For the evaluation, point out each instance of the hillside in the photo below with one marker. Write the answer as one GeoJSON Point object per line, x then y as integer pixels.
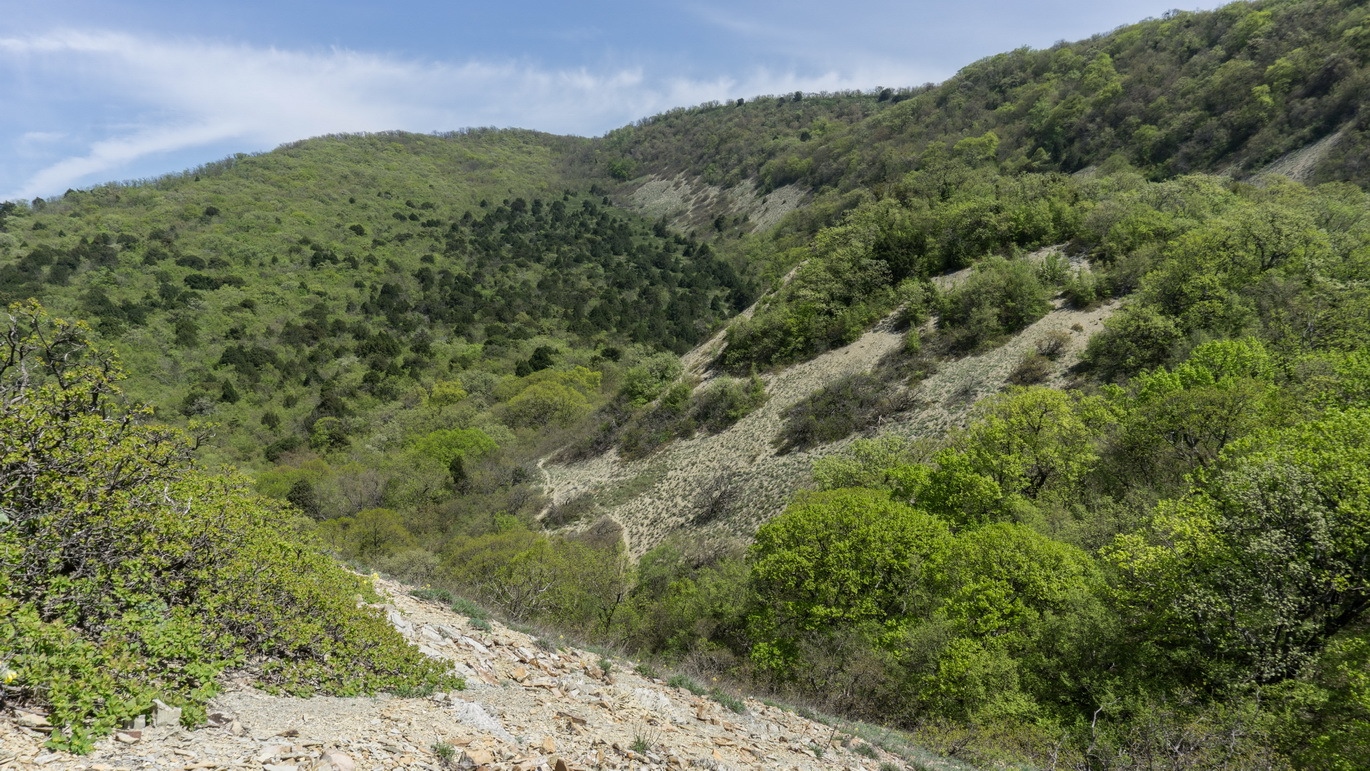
{"type": "Point", "coordinates": [528, 704]}
{"type": "Point", "coordinates": [1025, 413]}
{"type": "Point", "coordinates": [1231, 90]}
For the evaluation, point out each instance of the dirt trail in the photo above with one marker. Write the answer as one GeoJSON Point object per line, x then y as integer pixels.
{"type": "Point", "coordinates": [528, 706]}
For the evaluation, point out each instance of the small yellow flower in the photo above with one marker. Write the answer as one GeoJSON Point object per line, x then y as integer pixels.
{"type": "Point", "coordinates": [9, 676]}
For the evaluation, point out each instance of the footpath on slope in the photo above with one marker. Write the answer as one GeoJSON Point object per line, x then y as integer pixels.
{"type": "Point", "coordinates": [528, 706]}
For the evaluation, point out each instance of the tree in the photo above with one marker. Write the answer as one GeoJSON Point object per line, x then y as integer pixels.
{"type": "Point", "coordinates": [544, 404]}
{"type": "Point", "coordinates": [1245, 578]}
{"type": "Point", "coordinates": [445, 393]}
{"type": "Point", "coordinates": [842, 557]}
{"type": "Point", "coordinates": [303, 497]}
{"type": "Point", "coordinates": [1032, 441]}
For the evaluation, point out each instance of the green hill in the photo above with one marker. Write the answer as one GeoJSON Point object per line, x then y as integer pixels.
{"type": "Point", "coordinates": [1159, 560]}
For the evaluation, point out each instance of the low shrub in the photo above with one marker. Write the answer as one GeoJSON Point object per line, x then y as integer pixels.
{"type": "Point", "coordinates": [432, 595]}
{"type": "Point", "coordinates": [840, 409]}
{"type": "Point", "coordinates": [127, 574]}
{"type": "Point", "coordinates": [1031, 370]}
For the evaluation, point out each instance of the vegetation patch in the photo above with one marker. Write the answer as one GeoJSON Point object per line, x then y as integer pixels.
{"type": "Point", "coordinates": [128, 574]}
{"type": "Point", "coordinates": [847, 406]}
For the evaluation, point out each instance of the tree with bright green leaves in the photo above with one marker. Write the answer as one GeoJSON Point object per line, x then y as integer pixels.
{"type": "Point", "coordinates": [1177, 420]}
{"type": "Point", "coordinates": [1020, 608]}
{"type": "Point", "coordinates": [128, 574]}
{"type": "Point", "coordinates": [1248, 576]}
{"type": "Point", "coordinates": [1022, 446]}
{"type": "Point", "coordinates": [447, 444]}
{"type": "Point", "coordinates": [841, 558]}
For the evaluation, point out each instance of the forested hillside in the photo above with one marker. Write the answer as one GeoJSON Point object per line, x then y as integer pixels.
{"type": "Point", "coordinates": [1154, 559]}
{"type": "Point", "coordinates": [1229, 90]}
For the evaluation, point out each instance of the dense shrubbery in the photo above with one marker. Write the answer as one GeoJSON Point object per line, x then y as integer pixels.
{"type": "Point", "coordinates": [1234, 88]}
{"type": "Point", "coordinates": [862, 269]}
{"type": "Point", "coordinates": [1155, 567]}
{"type": "Point", "coordinates": [1162, 567]}
{"type": "Point", "coordinates": [999, 298]}
{"type": "Point", "coordinates": [127, 574]}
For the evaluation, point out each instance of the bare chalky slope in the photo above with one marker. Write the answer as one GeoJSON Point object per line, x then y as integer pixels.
{"type": "Point", "coordinates": [741, 466]}
{"type": "Point", "coordinates": [528, 705]}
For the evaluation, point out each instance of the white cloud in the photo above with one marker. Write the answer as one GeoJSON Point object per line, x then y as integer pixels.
{"type": "Point", "coordinates": [188, 94]}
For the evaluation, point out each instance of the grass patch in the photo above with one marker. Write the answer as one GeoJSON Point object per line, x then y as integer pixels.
{"type": "Point", "coordinates": [632, 488]}
{"type": "Point", "coordinates": [469, 609]}
{"type": "Point", "coordinates": [681, 681]}
{"type": "Point", "coordinates": [728, 701]}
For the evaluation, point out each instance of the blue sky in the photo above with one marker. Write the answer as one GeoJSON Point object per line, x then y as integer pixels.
{"type": "Point", "coordinates": [95, 90]}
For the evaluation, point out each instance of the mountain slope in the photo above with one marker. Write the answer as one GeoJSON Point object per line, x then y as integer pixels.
{"type": "Point", "coordinates": [528, 705]}
{"type": "Point", "coordinates": [1138, 548]}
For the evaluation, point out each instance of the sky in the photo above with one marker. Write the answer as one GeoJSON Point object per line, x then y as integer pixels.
{"type": "Point", "coordinates": [94, 91]}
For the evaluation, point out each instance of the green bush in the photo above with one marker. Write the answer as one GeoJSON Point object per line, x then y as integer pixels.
{"type": "Point", "coordinates": [645, 381]}
{"type": "Point", "coordinates": [1135, 339]}
{"type": "Point", "coordinates": [838, 410]}
{"type": "Point", "coordinates": [999, 298]}
{"type": "Point", "coordinates": [128, 574]}
{"type": "Point", "coordinates": [726, 401]}
{"type": "Point", "coordinates": [529, 576]}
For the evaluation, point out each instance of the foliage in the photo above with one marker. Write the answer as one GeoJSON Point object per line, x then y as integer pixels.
{"type": "Point", "coordinates": [530, 576]}
{"type": "Point", "coordinates": [999, 298]}
{"type": "Point", "coordinates": [129, 574]}
{"type": "Point", "coordinates": [1155, 568]}
{"type": "Point", "coordinates": [840, 557]}
{"type": "Point", "coordinates": [841, 408]}
{"type": "Point", "coordinates": [1262, 562]}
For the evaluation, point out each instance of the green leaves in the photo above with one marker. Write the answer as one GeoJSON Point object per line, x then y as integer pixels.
{"type": "Point", "coordinates": [1264, 560]}
{"type": "Point", "coordinates": [844, 556]}
{"type": "Point", "coordinates": [128, 574]}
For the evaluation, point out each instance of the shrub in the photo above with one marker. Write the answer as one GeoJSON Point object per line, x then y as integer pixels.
{"type": "Point", "coordinates": [1001, 297]}
{"type": "Point", "coordinates": [127, 574]}
{"type": "Point", "coordinates": [726, 401]}
{"type": "Point", "coordinates": [1053, 344]}
{"type": "Point", "coordinates": [469, 609]}
{"type": "Point", "coordinates": [529, 576]}
{"type": "Point", "coordinates": [728, 701]}
{"type": "Point", "coordinates": [448, 444]}
{"type": "Point", "coordinates": [428, 594]}
{"type": "Point", "coordinates": [1135, 339]}
{"type": "Point", "coordinates": [844, 556]}
{"type": "Point", "coordinates": [645, 381]}
{"type": "Point", "coordinates": [838, 410]}
{"type": "Point", "coordinates": [546, 403]}
{"type": "Point", "coordinates": [1031, 370]}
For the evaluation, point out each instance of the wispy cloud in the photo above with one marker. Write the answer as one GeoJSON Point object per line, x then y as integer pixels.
{"type": "Point", "coordinates": [178, 95]}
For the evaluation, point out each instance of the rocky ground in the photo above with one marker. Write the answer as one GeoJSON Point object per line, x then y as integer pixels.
{"type": "Point", "coordinates": [528, 705]}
